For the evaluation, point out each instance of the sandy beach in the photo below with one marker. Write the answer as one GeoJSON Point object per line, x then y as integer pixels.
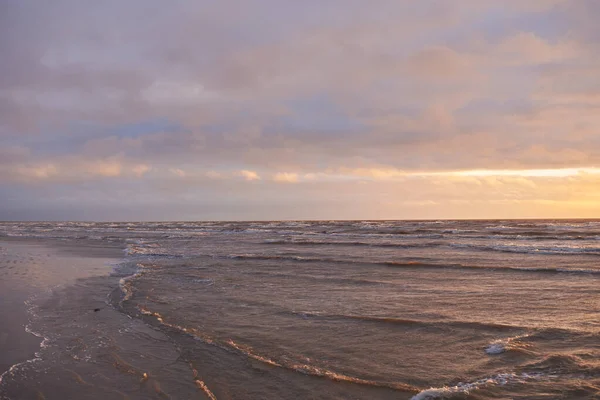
{"type": "Point", "coordinates": [32, 269]}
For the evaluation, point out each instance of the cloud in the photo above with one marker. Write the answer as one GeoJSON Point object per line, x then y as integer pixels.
{"type": "Point", "coordinates": [107, 168]}
{"type": "Point", "coordinates": [416, 197]}
{"type": "Point", "coordinates": [214, 175]}
{"type": "Point", "coordinates": [13, 154]}
{"type": "Point", "coordinates": [141, 169]}
{"type": "Point", "coordinates": [249, 175]}
{"type": "Point", "coordinates": [177, 171]}
{"type": "Point", "coordinates": [71, 170]}
{"type": "Point", "coordinates": [412, 93]}
{"type": "Point", "coordinates": [37, 171]}
{"type": "Point", "coordinates": [177, 93]}
{"type": "Point", "coordinates": [441, 63]}
{"type": "Point", "coordinates": [288, 177]}
{"type": "Point", "coordinates": [526, 48]}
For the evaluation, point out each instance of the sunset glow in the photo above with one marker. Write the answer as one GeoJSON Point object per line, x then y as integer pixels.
{"type": "Point", "coordinates": [287, 110]}
{"type": "Point", "coordinates": [541, 173]}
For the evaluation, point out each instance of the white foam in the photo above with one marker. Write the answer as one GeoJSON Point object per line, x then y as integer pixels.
{"type": "Point", "coordinates": [563, 249]}
{"type": "Point", "coordinates": [499, 346]}
{"type": "Point", "coordinates": [466, 387]}
{"type": "Point", "coordinates": [125, 286]}
{"type": "Point", "coordinates": [25, 364]}
{"type": "Point", "coordinates": [17, 367]}
{"type": "Point", "coordinates": [45, 340]}
{"type": "Point", "coordinates": [496, 348]}
{"type": "Point", "coordinates": [207, 282]}
{"type": "Point", "coordinates": [276, 241]}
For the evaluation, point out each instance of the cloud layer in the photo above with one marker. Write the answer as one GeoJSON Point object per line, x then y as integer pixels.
{"type": "Point", "coordinates": [271, 109]}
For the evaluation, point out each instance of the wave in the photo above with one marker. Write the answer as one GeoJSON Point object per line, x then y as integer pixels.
{"type": "Point", "coordinates": [306, 259]}
{"type": "Point", "coordinates": [548, 270]}
{"type": "Point", "coordinates": [545, 250]}
{"type": "Point", "coordinates": [148, 250]}
{"type": "Point", "coordinates": [544, 232]}
{"type": "Point", "coordinates": [564, 334]}
{"type": "Point", "coordinates": [464, 388]}
{"type": "Point", "coordinates": [523, 237]}
{"type": "Point", "coordinates": [566, 363]}
{"type": "Point", "coordinates": [401, 234]}
{"type": "Point", "coordinates": [415, 264]}
{"type": "Point", "coordinates": [530, 334]}
{"type": "Point", "coordinates": [412, 322]}
{"type": "Point", "coordinates": [265, 257]}
{"type": "Point", "coordinates": [302, 242]}
{"type": "Point", "coordinates": [504, 248]}
{"type": "Point", "coordinates": [126, 286]}
{"type": "Point", "coordinates": [320, 371]}
{"type": "Point", "coordinates": [286, 363]}
{"type": "Point", "coordinates": [500, 346]}
{"type": "Point", "coordinates": [332, 279]}
{"type": "Point", "coordinates": [365, 230]}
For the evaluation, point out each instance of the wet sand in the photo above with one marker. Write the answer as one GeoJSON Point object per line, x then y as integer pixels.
{"type": "Point", "coordinates": [31, 267]}
{"type": "Point", "coordinates": [86, 248]}
{"type": "Point", "coordinates": [16, 345]}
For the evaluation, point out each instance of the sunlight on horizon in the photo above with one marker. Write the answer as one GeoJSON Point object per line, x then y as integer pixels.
{"type": "Point", "coordinates": [542, 173]}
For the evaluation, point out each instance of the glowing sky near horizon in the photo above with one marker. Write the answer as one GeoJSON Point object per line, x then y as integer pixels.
{"type": "Point", "coordinates": [271, 109]}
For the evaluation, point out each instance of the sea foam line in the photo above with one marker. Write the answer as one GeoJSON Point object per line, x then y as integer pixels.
{"type": "Point", "coordinates": [11, 371]}
{"type": "Point", "coordinates": [413, 264]}
{"type": "Point", "coordinates": [501, 345]}
{"type": "Point", "coordinates": [296, 367]}
{"type": "Point", "coordinates": [43, 344]}
{"type": "Point", "coordinates": [24, 364]}
{"type": "Point", "coordinates": [467, 387]}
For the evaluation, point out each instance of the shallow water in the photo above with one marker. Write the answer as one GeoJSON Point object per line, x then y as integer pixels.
{"type": "Point", "coordinates": [323, 310]}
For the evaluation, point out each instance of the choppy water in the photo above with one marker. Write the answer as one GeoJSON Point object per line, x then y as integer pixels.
{"type": "Point", "coordinates": [323, 310]}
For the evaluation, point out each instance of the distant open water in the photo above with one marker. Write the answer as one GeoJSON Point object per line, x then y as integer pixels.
{"type": "Point", "coordinates": [324, 310]}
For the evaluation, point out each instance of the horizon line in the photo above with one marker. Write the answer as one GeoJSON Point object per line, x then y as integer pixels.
{"type": "Point", "coordinates": [305, 220]}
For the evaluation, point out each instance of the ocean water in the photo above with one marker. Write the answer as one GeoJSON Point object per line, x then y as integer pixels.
{"type": "Point", "coordinates": [320, 310]}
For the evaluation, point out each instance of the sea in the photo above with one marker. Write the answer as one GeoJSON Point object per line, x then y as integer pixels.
{"type": "Point", "coordinates": [486, 309]}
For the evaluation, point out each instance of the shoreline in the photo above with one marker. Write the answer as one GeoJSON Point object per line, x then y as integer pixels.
{"type": "Point", "coordinates": [32, 267]}
{"type": "Point", "coordinates": [87, 248]}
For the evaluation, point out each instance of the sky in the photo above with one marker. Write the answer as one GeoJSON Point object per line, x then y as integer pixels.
{"type": "Point", "coordinates": [285, 109]}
